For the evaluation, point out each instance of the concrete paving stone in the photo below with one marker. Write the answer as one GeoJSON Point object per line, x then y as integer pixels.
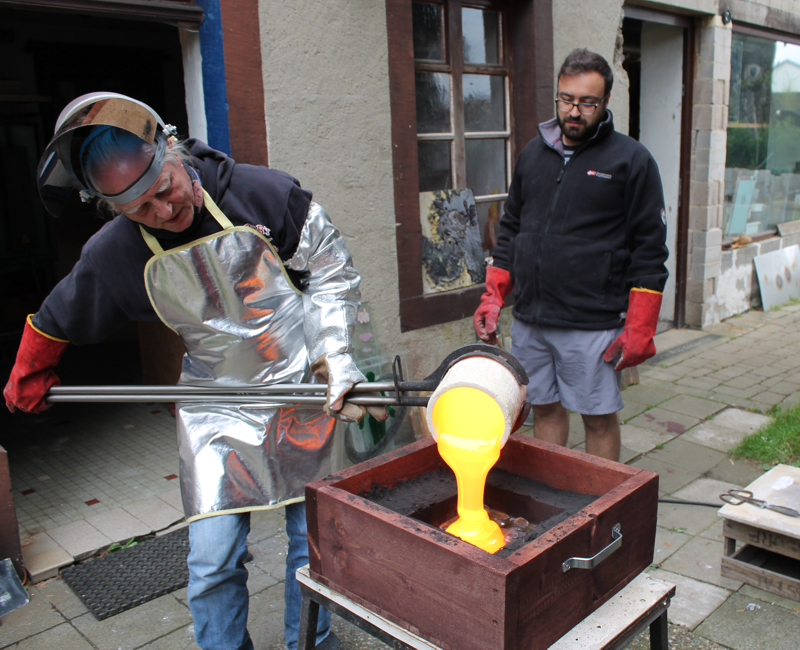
{"type": "Point", "coordinates": [119, 525]}
{"type": "Point", "coordinates": [692, 406]}
{"type": "Point", "coordinates": [670, 478]}
{"type": "Point", "coordinates": [714, 435]}
{"type": "Point", "coordinates": [772, 599]}
{"type": "Point", "coordinates": [155, 513]}
{"type": "Point", "coordinates": [687, 455]}
{"type": "Point", "coordinates": [790, 401]}
{"type": "Point", "coordinates": [733, 401]}
{"type": "Point", "coordinates": [80, 539]}
{"type": "Point", "coordinates": [741, 420]}
{"type": "Point", "coordinates": [269, 555]}
{"type": "Point", "coordinates": [744, 381]}
{"type": "Point", "coordinates": [705, 490]}
{"type": "Point", "coordinates": [63, 637]}
{"type": "Point", "coordinates": [135, 627]}
{"type": "Point", "coordinates": [693, 600]}
{"type": "Point", "coordinates": [724, 390]}
{"type": "Point", "coordinates": [172, 529]}
{"type": "Point", "coordinates": [705, 383]}
{"type": "Point", "coordinates": [180, 639]}
{"type": "Point", "coordinates": [664, 374]}
{"type": "Point", "coordinates": [650, 394]}
{"type": "Point", "coordinates": [700, 372]}
{"type": "Point", "coordinates": [730, 372]}
{"type": "Point", "coordinates": [768, 398]}
{"type": "Point", "coordinates": [60, 596]}
{"type": "Point", "coordinates": [687, 519]}
{"type": "Point", "coordinates": [768, 627]}
{"type": "Point", "coordinates": [768, 370]}
{"type": "Point", "coordinates": [30, 619]}
{"type": "Point", "coordinates": [714, 532]}
{"type": "Point", "coordinates": [627, 455]}
{"type": "Point", "coordinates": [662, 421]}
{"type": "Point", "coordinates": [265, 618]}
{"type": "Point", "coordinates": [700, 559]}
{"type": "Point", "coordinates": [631, 410]}
{"type": "Point", "coordinates": [172, 496]}
{"type": "Point", "coordinates": [738, 471]}
{"type": "Point", "coordinates": [667, 542]}
{"type": "Point", "coordinates": [43, 557]}
{"type": "Point", "coordinates": [266, 523]}
{"type": "Point", "coordinates": [641, 440]}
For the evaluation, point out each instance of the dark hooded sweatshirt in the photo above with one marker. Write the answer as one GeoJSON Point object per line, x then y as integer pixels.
{"type": "Point", "coordinates": [106, 286]}
{"type": "Point", "coordinates": [576, 237]}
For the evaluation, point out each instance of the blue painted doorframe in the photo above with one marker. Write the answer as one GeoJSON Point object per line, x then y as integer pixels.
{"type": "Point", "coordinates": [214, 89]}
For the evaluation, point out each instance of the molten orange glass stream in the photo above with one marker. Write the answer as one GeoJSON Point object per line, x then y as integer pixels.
{"type": "Point", "coordinates": [470, 425]}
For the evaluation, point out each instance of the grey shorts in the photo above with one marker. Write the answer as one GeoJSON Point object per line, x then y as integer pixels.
{"type": "Point", "coordinates": [567, 366]}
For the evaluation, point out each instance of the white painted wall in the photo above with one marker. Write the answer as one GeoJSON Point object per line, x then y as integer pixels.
{"type": "Point", "coordinates": [660, 127]}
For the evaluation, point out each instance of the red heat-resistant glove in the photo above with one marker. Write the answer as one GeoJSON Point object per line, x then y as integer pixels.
{"type": "Point", "coordinates": [32, 375]}
{"type": "Point", "coordinates": [498, 286]}
{"type": "Point", "coordinates": [636, 340]}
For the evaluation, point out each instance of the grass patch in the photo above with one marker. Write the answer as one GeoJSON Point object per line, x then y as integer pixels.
{"type": "Point", "coordinates": [777, 442]}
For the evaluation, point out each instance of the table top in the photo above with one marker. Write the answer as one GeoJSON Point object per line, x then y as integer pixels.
{"type": "Point", "coordinates": [780, 486]}
{"type": "Point", "coordinates": [619, 615]}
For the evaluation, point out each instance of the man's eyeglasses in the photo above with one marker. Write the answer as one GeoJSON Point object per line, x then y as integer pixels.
{"type": "Point", "coordinates": [585, 109]}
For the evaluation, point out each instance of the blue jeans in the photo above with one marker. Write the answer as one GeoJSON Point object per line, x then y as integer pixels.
{"type": "Point", "coordinates": [218, 597]}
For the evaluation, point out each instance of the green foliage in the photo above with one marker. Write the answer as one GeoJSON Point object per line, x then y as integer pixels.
{"type": "Point", "coordinates": [747, 147]}
{"type": "Point", "coordinates": [116, 546]}
{"type": "Point", "coordinates": [777, 442]}
{"type": "Point", "coordinates": [659, 446]}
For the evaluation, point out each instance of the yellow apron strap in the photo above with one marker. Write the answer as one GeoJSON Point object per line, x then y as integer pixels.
{"type": "Point", "coordinates": [222, 220]}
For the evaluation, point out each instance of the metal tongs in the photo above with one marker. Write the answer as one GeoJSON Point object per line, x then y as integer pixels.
{"type": "Point", "coordinates": [738, 497]}
{"type": "Point", "coordinates": [387, 393]}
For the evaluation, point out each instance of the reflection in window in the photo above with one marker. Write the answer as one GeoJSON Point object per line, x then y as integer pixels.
{"type": "Point", "coordinates": [428, 30]}
{"type": "Point", "coordinates": [762, 175]}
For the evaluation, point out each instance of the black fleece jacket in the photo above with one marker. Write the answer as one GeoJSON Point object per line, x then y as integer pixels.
{"type": "Point", "coordinates": [577, 237]}
{"type": "Point", "coordinates": [106, 285]}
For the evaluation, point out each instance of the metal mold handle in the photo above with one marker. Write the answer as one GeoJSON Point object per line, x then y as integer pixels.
{"type": "Point", "coordinates": [591, 562]}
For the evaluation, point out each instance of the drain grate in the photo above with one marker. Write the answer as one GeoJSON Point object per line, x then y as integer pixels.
{"type": "Point", "coordinates": [124, 579]}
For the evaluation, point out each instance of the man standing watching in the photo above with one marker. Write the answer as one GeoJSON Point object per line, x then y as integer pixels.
{"type": "Point", "coordinates": [582, 245]}
{"type": "Point", "coordinates": [259, 285]}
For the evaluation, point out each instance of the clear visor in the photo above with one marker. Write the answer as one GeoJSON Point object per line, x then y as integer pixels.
{"type": "Point", "coordinates": [62, 181]}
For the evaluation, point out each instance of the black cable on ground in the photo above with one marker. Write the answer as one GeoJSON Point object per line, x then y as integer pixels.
{"type": "Point", "coordinates": [691, 503]}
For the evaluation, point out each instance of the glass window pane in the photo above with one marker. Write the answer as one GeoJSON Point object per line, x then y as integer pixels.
{"type": "Point", "coordinates": [484, 102]}
{"type": "Point", "coordinates": [481, 34]}
{"type": "Point", "coordinates": [762, 175]}
{"type": "Point", "coordinates": [434, 165]}
{"type": "Point", "coordinates": [428, 33]}
{"type": "Point", "coordinates": [486, 166]}
{"type": "Point", "coordinates": [433, 102]}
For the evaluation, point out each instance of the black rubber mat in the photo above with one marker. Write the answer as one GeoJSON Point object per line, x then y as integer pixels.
{"type": "Point", "coordinates": [129, 577]}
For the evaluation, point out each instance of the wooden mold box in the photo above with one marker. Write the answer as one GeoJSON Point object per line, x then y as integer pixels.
{"type": "Point", "coordinates": [457, 596]}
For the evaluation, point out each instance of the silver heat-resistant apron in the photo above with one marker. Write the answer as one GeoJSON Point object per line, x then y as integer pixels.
{"type": "Point", "coordinates": [241, 321]}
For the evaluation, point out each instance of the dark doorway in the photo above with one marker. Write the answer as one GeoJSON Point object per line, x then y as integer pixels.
{"type": "Point", "coordinates": [47, 59]}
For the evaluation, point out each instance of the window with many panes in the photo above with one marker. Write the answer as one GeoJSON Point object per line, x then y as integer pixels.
{"type": "Point", "coordinates": [460, 116]}
{"type": "Point", "coordinates": [462, 99]}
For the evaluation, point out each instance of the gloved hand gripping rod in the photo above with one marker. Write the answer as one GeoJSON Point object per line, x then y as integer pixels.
{"type": "Point", "coordinates": [391, 393]}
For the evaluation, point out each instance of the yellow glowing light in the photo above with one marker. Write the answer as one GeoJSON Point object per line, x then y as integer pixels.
{"type": "Point", "coordinates": [470, 425]}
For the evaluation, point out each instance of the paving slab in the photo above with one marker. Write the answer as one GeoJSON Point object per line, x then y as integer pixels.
{"type": "Point", "coordinates": [649, 394]}
{"type": "Point", "coordinates": [631, 410]}
{"type": "Point", "coordinates": [63, 637]}
{"type": "Point", "coordinates": [663, 421]}
{"type": "Point", "coordinates": [700, 559]}
{"type": "Point", "coordinates": [768, 627]}
{"type": "Point", "coordinates": [667, 542]}
{"type": "Point", "coordinates": [670, 478]}
{"type": "Point", "coordinates": [706, 490]}
{"type": "Point", "coordinates": [693, 601]}
{"type": "Point", "coordinates": [690, 520]}
{"type": "Point", "coordinates": [60, 596]}
{"type": "Point", "coordinates": [29, 620]}
{"type": "Point", "coordinates": [772, 599]}
{"type": "Point", "coordinates": [135, 627]}
{"type": "Point", "coordinates": [695, 407]}
{"type": "Point", "coordinates": [180, 639]}
{"type": "Point", "coordinates": [155, 513]}
{"type": "Point", "coordinates": [642, 440]}
{"type": "Point", "coordinates": [43, 557]}
{"type": "Point", "coordinates": [119, 525]}
{"type": "Point", "coordinates": [687, 455]}
{"type": "Point", "coordinates": [265, 619]}
{"type": "Point", "coordinates": [172, 497]}
{"type": "Point", "coordinates": [738, 471]}
{"type": "Point", "coordinates": [714, 435]}
{"type": "Point", "coordinates": [269, 555]}
{"type": "Point", "coordinates": [80, 539]}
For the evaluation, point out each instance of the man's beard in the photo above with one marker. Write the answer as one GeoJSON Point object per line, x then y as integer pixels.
{"type": "Point", "coordinates": [578, 131]}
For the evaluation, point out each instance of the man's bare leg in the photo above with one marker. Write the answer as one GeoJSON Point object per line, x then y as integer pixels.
{"type": "Point", "coordinates": [551, 423]}
{"type": "Point", "coordinates": [602, 435]}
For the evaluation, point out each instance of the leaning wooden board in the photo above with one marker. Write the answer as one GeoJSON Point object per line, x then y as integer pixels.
{"type": "Point", "coordinates": [457, 596]}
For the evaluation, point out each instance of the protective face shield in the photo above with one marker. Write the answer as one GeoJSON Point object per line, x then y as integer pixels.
{"type": "Point", "coordinates": [63, 182]}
